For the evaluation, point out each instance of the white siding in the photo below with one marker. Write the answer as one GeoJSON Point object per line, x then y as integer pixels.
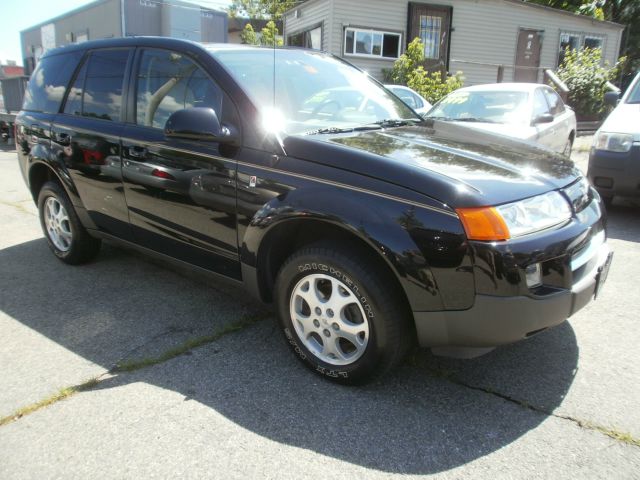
{"type": "Point", "coordinates": [309, 15]}
{"type": "Point", "coordinates": [484, 31]}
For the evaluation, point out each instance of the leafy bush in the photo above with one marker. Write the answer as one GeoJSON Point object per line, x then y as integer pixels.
{"type": "Point", "coordinates": [409, 70]}
{"type": "Point", "coordinates": [586, 78]}
{"type": "Point", "coordinates": [269, 35]}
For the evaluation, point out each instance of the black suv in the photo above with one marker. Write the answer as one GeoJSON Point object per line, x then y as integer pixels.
{"type": "Point", "coordinates": [298, 176]}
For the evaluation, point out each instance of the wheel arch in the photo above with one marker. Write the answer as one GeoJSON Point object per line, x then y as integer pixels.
{"type": "Point", "coordinates": [291, 234]}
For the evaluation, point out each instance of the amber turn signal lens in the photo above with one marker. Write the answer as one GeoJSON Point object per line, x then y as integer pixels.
{"type": "Point", "coordinates": [484, 223]}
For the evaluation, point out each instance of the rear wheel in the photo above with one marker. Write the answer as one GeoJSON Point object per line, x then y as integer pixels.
{"type": "Point", "coordinates": [340, 315]}
{"type": "Point", "coordinates": [67, 238]}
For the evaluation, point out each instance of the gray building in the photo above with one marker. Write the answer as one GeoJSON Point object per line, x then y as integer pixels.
{"type": "Point", "coordinates": [118, 18]}
{"type": "Point", "coordinates": [484, 39]}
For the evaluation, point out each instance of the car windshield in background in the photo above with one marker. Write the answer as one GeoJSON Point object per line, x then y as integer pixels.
{"type": "Point", "coordinates": [314, 92]}
{"type": "Point", "coordinates": [483, 106]}
{"type": "Point", "coordinates": [634, 95]}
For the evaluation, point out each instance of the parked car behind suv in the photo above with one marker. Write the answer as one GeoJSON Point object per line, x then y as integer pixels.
{"type": "Point", "coordinates": [614, 162]}
{"type": "Point", "coordinates": [526, 111]}
{"type": "Point", "coordinates": [297, 176]}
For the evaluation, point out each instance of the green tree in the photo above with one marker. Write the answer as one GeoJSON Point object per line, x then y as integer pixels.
{"type": "Point", "coordinates": [269, 35]}
{"type": "Point", "coordinates": [586, 78]}
{"type": "Point", "coordinates": [409, 70]}
{"type": "Point", "coordinates": [261, 9]}
{"type": "Point", "coordinates": [625, 12]}
{"type": "Point", "coordinates": [248, 35]}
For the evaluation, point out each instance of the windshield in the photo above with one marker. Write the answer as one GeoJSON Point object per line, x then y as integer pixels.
{"type": "Point", "coordinates": [314, 92]}
{"type": "Point", "coordinates": [484, 106]}
{"type": "Point", "coordinates": [634, 94]}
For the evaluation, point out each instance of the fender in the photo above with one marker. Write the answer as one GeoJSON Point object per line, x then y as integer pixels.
{"type": "Point", "coordinates": [388, 227]}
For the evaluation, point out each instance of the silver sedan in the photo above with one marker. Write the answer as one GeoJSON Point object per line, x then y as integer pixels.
{"type": "Point", "coordinates": [527, 111]}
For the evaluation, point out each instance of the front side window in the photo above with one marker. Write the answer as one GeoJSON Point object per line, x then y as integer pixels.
{"type": "Point", "coordinates": [540, 105]}
{"type": "Point", "coordinates": [168, 82]}
{"type": "Point", "coordinates": [49, 82]}
{"type": "Point", "coordinates": [556, 105]}
{"type": "Point", "coordinates": [371, 43]}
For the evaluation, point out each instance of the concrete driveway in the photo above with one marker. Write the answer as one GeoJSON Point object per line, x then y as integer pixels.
{"type": "Point", "coordinates": [124, 368]}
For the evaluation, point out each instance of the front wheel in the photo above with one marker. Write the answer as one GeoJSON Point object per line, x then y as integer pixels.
{"type": "Point", "coordinates": [568, 147]}
{"type": "Point", "coordinates": [340, 314]}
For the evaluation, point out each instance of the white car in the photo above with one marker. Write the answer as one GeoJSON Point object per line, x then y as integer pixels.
{"type": "Point", "coordinates": [412, 98]}
{"type": "Point", "coordinates": [614, 162]}
{"type": "Point", "coordinates": [527, 111]}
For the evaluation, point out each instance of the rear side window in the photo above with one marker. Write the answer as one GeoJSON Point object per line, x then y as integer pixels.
{"type": "Point", "coordinates": [556, 104]}
{"type": "Point", "coordinates": [49, 82]}
{"type": "Point", "coordinates": [540, 105]}
{"type": "Point", "coordinates": [97, 89]}
{"type": "Point", "coordinates": [169, 81]}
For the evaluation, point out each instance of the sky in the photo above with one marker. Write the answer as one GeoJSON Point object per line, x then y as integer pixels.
{"type": "Point", "coordinates": [17, 15]}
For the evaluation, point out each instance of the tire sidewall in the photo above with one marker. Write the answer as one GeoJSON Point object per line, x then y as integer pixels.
{"type": "Point", "coordinates": [303, 265]}
{"type": "Point", "coordinates": [53, 190]}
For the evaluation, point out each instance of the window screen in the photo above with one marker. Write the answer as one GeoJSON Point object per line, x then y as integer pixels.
{"type": "Point", "coordinates": [169, 81]}
{"type": "Point", "coordinates": [49, 82]}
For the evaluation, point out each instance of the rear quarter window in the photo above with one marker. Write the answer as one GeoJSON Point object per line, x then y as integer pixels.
{"type": "Point", "coordinates": [49, 82]}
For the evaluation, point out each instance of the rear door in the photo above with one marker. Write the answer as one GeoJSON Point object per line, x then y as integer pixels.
{"type": "Point", "coordinates": [42, 101]}
{"type": "Point", "coordinates": [86, 137]}
{"type": "Point", "coordinates": [181, 194]}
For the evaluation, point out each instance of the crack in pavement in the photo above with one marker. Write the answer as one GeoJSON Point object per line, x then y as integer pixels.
{"type": "Point", "coordinates": [190, 344]}
{"type": "Point", "coordinates": [613, 433]}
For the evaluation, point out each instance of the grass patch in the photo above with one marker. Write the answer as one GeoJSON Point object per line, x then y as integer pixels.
{"type": "Point", "coordinates": [62, 394]}
{"type": "Point", "coordinates": [244, 322]}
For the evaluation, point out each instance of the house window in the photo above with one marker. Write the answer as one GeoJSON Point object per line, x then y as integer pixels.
{"type": "Point", "coordinates": [371, 43]}
{"type": "Point", "coordinates": [430, 29]}
{"type": "Point", "coordinates": [311, 38]}
{"type": "Point", "coordinates": [576, 41]}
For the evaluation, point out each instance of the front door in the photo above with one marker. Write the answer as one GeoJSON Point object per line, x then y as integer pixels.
{"type": "Point", "coordinates": [432, 25]}
{"type": "Point", "coordinates": [181, 194]}
{"type": "Point", "coordinates": [528, 56]}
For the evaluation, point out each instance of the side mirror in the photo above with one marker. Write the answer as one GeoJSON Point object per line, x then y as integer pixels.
{"type": "Point", "coordinates": [611, 98]}
{"type": "Point", "coordinates": [198, 123]}
{"type": "Point", "coordinates": [544, 118]}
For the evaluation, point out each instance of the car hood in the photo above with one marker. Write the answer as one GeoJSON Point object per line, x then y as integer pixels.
{"type": "Point", "coordinates": [523, 132]}
{"type": "Point", "coordinates": [454, 164]}
{"type": "Point", "coordinates": [625, 118]}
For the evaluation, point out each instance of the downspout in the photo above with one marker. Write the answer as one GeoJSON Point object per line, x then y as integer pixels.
{"type": "Point", "coordinates": [122, 22]}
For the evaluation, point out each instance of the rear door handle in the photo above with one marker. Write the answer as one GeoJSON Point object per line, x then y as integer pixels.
{"type": "Point", "coordinates": [138, 152]}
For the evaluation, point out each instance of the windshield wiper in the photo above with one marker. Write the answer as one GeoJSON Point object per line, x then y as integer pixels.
{"type": "Point", "coordinates": [395, 122]}
{"type": "Point", "coordinates": [318, 131]}
{"type": "Point", "coordinates": [472, 119]}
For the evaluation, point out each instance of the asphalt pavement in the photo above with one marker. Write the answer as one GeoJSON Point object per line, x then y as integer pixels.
{"type": "Point", "coordinates": [130, 368]}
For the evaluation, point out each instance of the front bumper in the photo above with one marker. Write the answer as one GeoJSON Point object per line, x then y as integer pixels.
{"type": "Point", "coordinates": [573, 260]}
{"type": "Point", "coordinates": [613, 173]}
{"type": "Point", "coordinates": [495, 320]}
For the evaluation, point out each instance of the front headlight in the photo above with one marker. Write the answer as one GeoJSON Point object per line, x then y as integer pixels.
{"type": "Point", "coordinates": [613, 142]}
{"type": "Point", "coordinates": [515, 219]}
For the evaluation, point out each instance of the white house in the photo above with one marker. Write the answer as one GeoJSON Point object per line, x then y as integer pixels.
{"type": "Point", "coordinates": [480, 38]}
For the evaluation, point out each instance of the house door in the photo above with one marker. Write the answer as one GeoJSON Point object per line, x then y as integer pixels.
{"type": "Point", "coordinates": [528, 56]}
{"type": "Point", "coordinates": [432, 25]}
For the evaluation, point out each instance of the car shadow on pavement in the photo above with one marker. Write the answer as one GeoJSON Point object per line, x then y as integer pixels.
{"type": "Point", "coordinates": [623, 220]}
{"type": "Point", "coordinates": [431, 415]}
